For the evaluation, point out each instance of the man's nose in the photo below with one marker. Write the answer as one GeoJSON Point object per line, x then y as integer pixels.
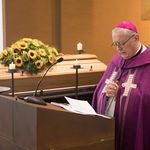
{"type": "Point", "coordinates": [119, 48]}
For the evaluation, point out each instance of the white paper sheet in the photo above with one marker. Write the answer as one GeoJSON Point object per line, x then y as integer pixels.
{"type": "Point", "coordinates": [81, 106]}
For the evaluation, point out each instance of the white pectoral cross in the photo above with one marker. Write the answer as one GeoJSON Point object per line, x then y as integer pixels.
{"type": "Point", "coordinates": [128, 85]}
{"type": "Point", "coordinates": [110, 80]}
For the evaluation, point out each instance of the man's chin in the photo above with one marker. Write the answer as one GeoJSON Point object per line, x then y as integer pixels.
{"type": "Point", "coordinates": [124, 56]}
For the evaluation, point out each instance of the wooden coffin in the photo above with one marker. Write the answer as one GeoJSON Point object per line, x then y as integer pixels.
{"type": "Point", "coordinates": [62, 75]}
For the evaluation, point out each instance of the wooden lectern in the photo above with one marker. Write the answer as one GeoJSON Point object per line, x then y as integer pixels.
{"type": "Point", "coordinates": [25, 126]}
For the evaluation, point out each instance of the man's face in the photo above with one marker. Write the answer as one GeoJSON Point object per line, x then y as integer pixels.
{"type": "Point", "coordinates": [125, 44]}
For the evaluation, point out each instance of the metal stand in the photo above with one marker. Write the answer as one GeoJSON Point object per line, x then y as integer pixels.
{"type": "Point", "coordinates": [76, 67]}
{"type": "Point", "coordinates": [12, 71]}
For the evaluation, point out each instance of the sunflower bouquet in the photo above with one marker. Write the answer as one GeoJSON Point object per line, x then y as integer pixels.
{"type": "Point", "coordinates": [30, 55]}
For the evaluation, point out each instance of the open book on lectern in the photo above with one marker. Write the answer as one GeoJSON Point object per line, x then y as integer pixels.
{"type": "Point", "coordinates": [78, 106]}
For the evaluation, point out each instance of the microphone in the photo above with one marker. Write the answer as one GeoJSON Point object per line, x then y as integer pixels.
{"type": "Point", "coordinates": [34, 99]}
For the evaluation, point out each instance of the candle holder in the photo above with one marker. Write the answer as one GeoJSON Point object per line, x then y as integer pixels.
{"type": "Point", "coordinates": [79, 51]}
{"type": "Point", "coordinates": [12, 71]}
{"type": "Point", "coordinates": [76, 67]}
{"type": "Point", "coordinates": [91, 68]}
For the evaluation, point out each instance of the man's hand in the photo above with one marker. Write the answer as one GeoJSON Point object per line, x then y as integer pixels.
{"type": "Point", "coordinates": [111, 89]}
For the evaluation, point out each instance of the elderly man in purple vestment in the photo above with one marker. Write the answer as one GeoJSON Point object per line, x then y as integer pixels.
{"type": "Point", "coordinates": [126, 85]}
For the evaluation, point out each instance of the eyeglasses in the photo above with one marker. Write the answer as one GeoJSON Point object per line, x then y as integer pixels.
{"type": "Point", "coordinates": [121, 44]}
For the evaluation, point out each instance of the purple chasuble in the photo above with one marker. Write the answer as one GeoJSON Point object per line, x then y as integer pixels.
{"type": "Point", "coordinates": [132, 120]}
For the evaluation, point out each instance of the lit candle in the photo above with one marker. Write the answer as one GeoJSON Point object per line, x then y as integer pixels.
{"type": "Point", "coordinates": [12, 66]}
{"type": "Point", "coordinates": [79, 46]}
{"type": "Point", "coordinates": [76, 63]}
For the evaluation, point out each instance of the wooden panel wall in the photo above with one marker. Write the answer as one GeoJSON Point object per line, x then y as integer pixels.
{"type": "Point", "coordinates": [30, 18]}
{"type": "Point", "coordinates": [63, 23]}
{"type": "Point", "coordinates": [145, 9]}
{"type": "Point", "coordinates": [91, 22]}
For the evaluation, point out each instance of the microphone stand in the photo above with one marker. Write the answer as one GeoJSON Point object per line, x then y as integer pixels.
{"type": "Point", "coordinates": [34, 98]}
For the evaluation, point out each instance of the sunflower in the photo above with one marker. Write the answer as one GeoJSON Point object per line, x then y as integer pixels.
{"type": "Point", "coordinates": [18, 61]}
{"type": "Point", "coordinates": [15, 46]}
{"type": "Point", "coordinates": [50, 50]}
{"type": "Point", "coordinates": [29, 54]}
{"type": "Point", "coordinates": [1, 56]}
{"type": "Point", "coordinates": [15, 51]}
{"type": "Point", "coordinates": [42, 52]}
{"type": "Point", "coordinates": [22, 45]}
{"type": "Point", "coordinates": [35, 42]}
{"type": "Point", "coordinates": [5, 52]}
{"type": "Point", "coordinates": [51, 59]}
{"type": "Point", "coordinates": [32, 54]}
{"type": "Point", "coordinates": [39, 64]}
{"type": "Point", "coordinates": [27, 40]}
{"type": "Point", "coordinates": [54, 51]}
{"type": "Point", "coordinates": [40, 42]}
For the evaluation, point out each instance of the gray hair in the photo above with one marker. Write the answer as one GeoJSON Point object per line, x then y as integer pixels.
{"type": "Point", "coordinates": [126, 31]}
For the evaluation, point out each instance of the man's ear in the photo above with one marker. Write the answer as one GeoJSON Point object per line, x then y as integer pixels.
{"type": "Point", "coordinates": [137, 37]}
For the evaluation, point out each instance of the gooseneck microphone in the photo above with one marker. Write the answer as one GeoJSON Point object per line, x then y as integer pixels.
{"type": "Point", "coordinates": [37, 100]}
{"type": "Point", "coordinates": [57, 61]}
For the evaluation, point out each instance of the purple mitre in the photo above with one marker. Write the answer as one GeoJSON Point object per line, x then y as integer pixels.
{"type": "Point", "coordinates": [127, 25]}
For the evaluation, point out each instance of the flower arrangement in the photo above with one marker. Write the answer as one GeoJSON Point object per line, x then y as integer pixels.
{"type": "Point", "coordinates": [30, 55]}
